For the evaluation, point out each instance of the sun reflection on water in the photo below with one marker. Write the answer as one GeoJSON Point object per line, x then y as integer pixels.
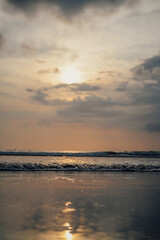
{"type": "Point", "coordinates": [68, 203]}
{"type": "Point", "coordinates": [68, 208]}
{"type": "Point", "coordinates": [67, 225]}
{"type": "Point", "coordinates": [68, 235]}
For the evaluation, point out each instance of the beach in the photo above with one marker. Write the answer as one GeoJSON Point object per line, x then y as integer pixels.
{"type": "Point", "coordinates": [79, 206]}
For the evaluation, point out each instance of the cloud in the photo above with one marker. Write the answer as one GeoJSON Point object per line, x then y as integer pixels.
{"type": "Point", "coordinates": [28, 48]}
{"type": "Point", "coordinates": [79, 87]}
{"type": "Point", "coordinates": [42, 97]}
{"type": "Point", "coordinates": [122, 86]}
{"type": "Point", "coordinates": [149, 69]}
{"type": "Point", "coordinates": [2, 40]}
{"type": "Point", "coordinates": [152, 62]}
{"type": "Point", "coordinates": [153, 127]}
{"type": "Point", "coordinates": [110, 73]}
{"type": "Point", "coordinates": [40, 61]}
{"type": "Point", "coordinates": [90, 107]}
{"type": "Point", "coordinates": [74, 87]}
{"type": "Point", "coordinates": [148, 73]}
{"type": "Point", "coordinates": [79, 109]}
{"type": "Point", "coordinates": [84, 87]}
{"type": "Point", "coordinates": [29, 90]}
{"type": "Point", "coordinates": [55, 70]}
{"type": "Point", "coordinates": [129, 104]}
{"type": "Point", "coordinates": [70, 6]}
{"type": "Point", "coordinates": [48, 71]}
{"type": "Point", "coordinates": [44, 71]}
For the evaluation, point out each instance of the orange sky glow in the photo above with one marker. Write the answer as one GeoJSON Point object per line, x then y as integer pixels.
{"type": "Point", "coordinates": [80, 75]}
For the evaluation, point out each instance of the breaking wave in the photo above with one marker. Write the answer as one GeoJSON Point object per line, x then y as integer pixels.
{"type": "Point", "coordinates": [76, 167]}
{"type": "Point", "coordinates": [137, 154]}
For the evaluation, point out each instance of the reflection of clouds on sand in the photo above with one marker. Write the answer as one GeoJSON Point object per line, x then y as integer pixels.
{"type": "Point", "coordinates": [110, 208]}
{"type": "Point", "coordinates": [65, 178]}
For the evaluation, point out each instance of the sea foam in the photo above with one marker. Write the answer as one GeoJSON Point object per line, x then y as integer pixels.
{"type": "Point", "coordinates": [79, 167]}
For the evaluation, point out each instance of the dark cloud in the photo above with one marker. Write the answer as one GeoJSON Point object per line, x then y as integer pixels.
{"type": "Point", "coordinates": [70, 6]}
{"type": "Point", "coordinates": [79, 87]}
{"type": "Point", "coordinates": [90, 107]}
{"type": "Point", "coordinates": [43, 98]}
{"type": "Point", "coordinates": [149, 69]}
{"type": "Point", "coordinates": [153, 127]}
{"type": "Point", "coordinates": [147, 96]}
{"type": "Point", "coordinates": [29, 90]}
{"type": "Point", "coordinates": [148, 73]}
{"type": "Point", "coordinates": [40, 96]}
{"type": "Point", "coordinates": [84, 87]}
{"type": "Point", "coordinates": [152, 62]}
{"type": "Point", "coordinates": [79, 108]}
{"type": "Point", "coordinates": [2, 40]}
{"type": "Point", "coordinates": [74, 87]}
{"type": "Point", "coordinates": [148, 100]}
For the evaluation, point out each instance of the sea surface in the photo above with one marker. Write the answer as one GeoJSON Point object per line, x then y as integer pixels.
{"type": "Point", "coordinates": [80, 161]}
{"type": "Point", "coordinates": [89, 196]}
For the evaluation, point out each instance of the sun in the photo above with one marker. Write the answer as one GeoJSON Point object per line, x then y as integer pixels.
{"type": "Point", "coordinates": [70, 75]}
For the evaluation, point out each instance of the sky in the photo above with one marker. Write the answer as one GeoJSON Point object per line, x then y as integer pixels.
{"type": "Point", "coordinates": [80, 75]}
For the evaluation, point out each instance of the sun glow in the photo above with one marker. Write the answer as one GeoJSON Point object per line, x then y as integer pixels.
{"type": "Point", "coordinates": [70, 75]}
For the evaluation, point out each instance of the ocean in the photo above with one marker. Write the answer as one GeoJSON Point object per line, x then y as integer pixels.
{"type": "Point", "coordinates": [80, 161]}
{"type": "Point", "coordinates": [79, 196]}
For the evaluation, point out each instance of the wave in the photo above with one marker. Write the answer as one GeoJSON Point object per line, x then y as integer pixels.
{"type": "Point", "coordinates": [76, 167]}
{"type": "Point", "coordinates": [138, 154]}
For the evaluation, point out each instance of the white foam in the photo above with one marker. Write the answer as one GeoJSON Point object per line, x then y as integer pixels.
{"type": "Point", "coordinates": [79, 167]}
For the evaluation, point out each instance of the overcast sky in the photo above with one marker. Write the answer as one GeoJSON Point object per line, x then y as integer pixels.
{"type": "Point", "coordinates": [80, 75]}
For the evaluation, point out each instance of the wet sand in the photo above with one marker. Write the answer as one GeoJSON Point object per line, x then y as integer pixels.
{"type": "Point", "coordinates": [79, 206]}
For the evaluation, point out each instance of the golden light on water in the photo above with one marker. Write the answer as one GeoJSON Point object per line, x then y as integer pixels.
{"type": "Point", "coordinates": [71, 75]}
{"type": "Point", "coordinates": [68, 203]}
{"type": "Point", "coordinates": [66, 225]}
{"type": "Point", "coordinates": [66, 210]}
{"type": "Point", "coordinates": [68, 235]}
